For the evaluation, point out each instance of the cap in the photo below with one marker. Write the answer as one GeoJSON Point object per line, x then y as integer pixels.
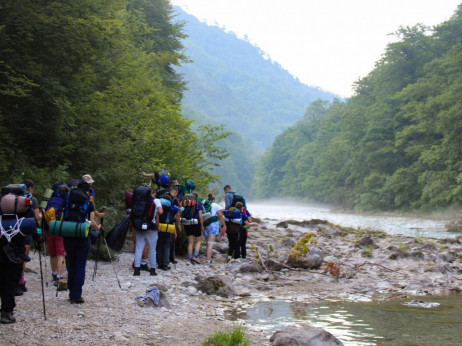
{"type": "Point", "coordinates": [87, 178]}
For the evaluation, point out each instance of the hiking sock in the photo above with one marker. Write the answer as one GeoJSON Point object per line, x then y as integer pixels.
{"type": "Point", "coordinates": [196, 253]}
{"type": "Point", "coordinates": [144, 262]}
{"type": "Point", "coordinates": [190, 256]}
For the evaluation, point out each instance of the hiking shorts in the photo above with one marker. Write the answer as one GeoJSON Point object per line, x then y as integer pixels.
{"type": "Point", "coordinates": [55, 245]}
{"type": "Point", "coordinates": [193, 230]}
{"type": "Point", "coordinates": [212, 229]}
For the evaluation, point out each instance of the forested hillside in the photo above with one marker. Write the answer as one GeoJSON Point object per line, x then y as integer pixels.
{"type": "Point", "coordinates": [90, 87]}
{"type": "Point", "coordinates": [395, 145]}
{"type": "Point", "coordinates": [230, 81]}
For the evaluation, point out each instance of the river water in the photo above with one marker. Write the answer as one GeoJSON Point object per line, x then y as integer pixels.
{"type": "Point", "coordinates": [386, 323]}
{"type": "Point", "coordinates": [405, 225]}
{"type": "Point", "coordinates": [364, 323]}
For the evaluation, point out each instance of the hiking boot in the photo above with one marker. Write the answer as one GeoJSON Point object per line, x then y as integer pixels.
{"type": "Point", "coordinates": [19, 291]}
{"type": "Point", "coordinates": [55, 277]}
{"type": "Point", "coordinates": [7, 317]}
{"type": "Point", "coordinates": [78, 301]}
{"type": "Point", "coordinates": [23, 287]}
{"type": "Point", "coordinates": [137, 271]}
{"type": "Point", "coordinates": [144, 267]}
{"type": "Point", "coordinates": [164, 267]}
{"type": "Point", "coordinates": [195, 259]}
{"type": "Point", "coordinates": [25, 257]}
{"type": "Point", "coordinates": [153, 272]}
{"type": "Point", "coordinates": [211, 262]}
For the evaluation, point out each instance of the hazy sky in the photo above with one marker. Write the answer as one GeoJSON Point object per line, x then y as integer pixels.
{"type": "Point", "coordinates": [325, 43]}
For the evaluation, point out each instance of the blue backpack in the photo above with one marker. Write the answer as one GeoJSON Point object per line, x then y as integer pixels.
{"type": "Point", "coordinates": [77, 203]}
{"type": "Point", "coordinates": [162, 178]}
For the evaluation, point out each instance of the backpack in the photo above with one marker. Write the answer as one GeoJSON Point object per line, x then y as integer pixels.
{"type": "Point", "coordinates": [232, 227]}
{"type": "Point", "coordinates": [188, 187]}
{"type": "Point", "coordinates": [55, 205]}
{"type": "Point", "coordinates": [16, 189]}
{"type": "Point", "coordinates": [76, 207]}
{"type": "Point", "coordinates": [208, 210]}
{"type": "Point", "coordinates": [161, 178]}
{"type": "Point", "coordinates": [142, 208]}
{"type": "Point", "coordinates": [189, 204]}
{"type": "Point", "coordinates": [238, 198]}
{"type": "Point", "coordinates": [165, 217]}
{"type": "Point", "coordinates": [16, 200]}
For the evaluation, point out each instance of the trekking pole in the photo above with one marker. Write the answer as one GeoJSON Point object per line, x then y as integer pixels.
{"type": "Point", "coordinates": [41, 279]}
{"type": "Point", "coordinates": [109, 253]}
{"type": "Point", "coordinates": [98, 248]}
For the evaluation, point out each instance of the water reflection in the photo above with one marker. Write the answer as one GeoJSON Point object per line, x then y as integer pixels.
{"type": "Point", "coordinates": [409, 226]}
{"type": "Point", "coordinates": [387, 323]}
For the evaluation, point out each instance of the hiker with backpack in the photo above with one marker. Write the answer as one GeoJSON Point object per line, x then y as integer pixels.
{"type": "Point", "coordinates": [77, 210]}
{"type": "Point", "coordinates": [168, 222]}
{"type": "Point", "coordinates": [55, 244]}
{"type": "Point", "coordinates": [144, 215]}
{"type": "Point", "coordinates": [17, 221]}
{"type": "Point", "coordinates": [191, 218]}
{"type": "Point", "coordinates": [236, 220]}
{"type": "Point", "coordinates": [212, 225]}
{"type": "Point", "coordinates": [34, 212]}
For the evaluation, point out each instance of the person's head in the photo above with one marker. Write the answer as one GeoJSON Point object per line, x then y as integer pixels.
{"type": "Point", "coordinates": [173, 192]}
{"type": "Point", "coordinates": [85, 187]}
{"type": "Point", "coordinates": [227, 188]}
{"type": "Point", "coordinates": [239, 205]}
{"type": "Point", "coordinates": [88, 179]}
{"type": "Point", "coordinates": [211, 197]}
{"type": "Point", "coordinates": [30, 185]}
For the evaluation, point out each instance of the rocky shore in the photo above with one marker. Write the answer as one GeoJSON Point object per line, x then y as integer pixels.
{"type": "Point", "coordinates": [198, 300]}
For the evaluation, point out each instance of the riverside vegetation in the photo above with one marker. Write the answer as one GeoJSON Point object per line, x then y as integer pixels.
{"type": "Point", "coordinates": [205, 299]}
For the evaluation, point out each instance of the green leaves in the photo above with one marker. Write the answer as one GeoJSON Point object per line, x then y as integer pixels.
{"type": "Point", "coordinates": [395, 145]}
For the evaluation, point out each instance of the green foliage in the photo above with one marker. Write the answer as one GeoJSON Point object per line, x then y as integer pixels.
{"type": "Point", "coordinates": [91, 87]}
{"type": "Point", "coordinates": [233, 337]}
{"type": "Point", "coordinates": [394, 145]}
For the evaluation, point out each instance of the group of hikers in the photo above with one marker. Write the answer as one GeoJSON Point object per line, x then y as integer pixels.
{"type": "Point", "coordinates": [66, 222]}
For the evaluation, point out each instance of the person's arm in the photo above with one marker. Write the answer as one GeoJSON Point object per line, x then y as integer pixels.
{"type": "Point", "coordinates": [150, 175]}
{"type": "Point", "coordinates": [201, 220]}
{"type": "Point", "coordinates": [94, 224]}
{"type": "Point", "coordinates": [221, 218]}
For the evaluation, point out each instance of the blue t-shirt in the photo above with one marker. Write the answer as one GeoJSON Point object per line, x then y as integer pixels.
{"type": "Point", "coordinates": [237, 215]}
{"type": "Point", "coordinates": [198, 207]}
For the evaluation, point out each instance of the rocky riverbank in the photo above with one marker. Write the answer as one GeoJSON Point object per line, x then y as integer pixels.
{"type": "Point", "coordinates": [346, 263]}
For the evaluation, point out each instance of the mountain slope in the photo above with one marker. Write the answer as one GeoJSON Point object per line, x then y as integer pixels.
{"type": "Point", "coordinates": [231, 81]}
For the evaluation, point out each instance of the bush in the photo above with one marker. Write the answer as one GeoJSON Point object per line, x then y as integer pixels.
{"type": "Point", "coordinates": [234, 337]}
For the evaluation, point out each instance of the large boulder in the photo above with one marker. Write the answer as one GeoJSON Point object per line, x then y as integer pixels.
{"type": "Point", "coordinates": [250, 268]}
{"type": "Point", "coordinates": [304, 336]}
{"type": "Point", "coordinates": [312, 260]}
{"type": "Point", "coordinates": [218, 285]}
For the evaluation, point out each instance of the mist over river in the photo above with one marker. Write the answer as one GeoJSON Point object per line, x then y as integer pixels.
{"type": "Point", "coordinates": [413, 226]}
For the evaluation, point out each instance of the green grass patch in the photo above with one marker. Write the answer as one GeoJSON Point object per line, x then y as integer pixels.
{"type": "Point", "coordinates": [231, 337]}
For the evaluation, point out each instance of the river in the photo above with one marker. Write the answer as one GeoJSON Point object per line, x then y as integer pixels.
{"type": "Point", "coordinates": [405, 225]}
{"type": "Point", "coordinates": [359, 323]}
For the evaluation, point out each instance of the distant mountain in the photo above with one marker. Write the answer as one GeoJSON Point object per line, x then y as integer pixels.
{"type": "Point", "coordinates": [232, 82]}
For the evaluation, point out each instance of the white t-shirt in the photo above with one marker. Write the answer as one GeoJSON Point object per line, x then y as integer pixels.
{"type": "Point", "coordinates": [214, 209]}
{"type": "Point", "coordinates": [156, 205]}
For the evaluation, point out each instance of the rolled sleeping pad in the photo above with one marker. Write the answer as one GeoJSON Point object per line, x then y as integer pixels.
{"type": "Point", "coordinates": [164, 227]}
{"type": "Point", "coordinates": [189, 222]}
{"type": "Point", "coordinates": [28, 225]}
{"type": "Point", "coordinates": [69, 229]}
{"type": "Point", "coordinates": [233, 220]}
{"type": "Point", "coordinates": [47, 194]}
{"type": "Point", "coordinates": [206, 216]}
{"type": "Point", "coordinates": [13, 204]}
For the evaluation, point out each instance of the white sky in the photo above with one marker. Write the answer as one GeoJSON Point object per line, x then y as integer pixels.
{"type": "Point", "coordinates": [325, 43]}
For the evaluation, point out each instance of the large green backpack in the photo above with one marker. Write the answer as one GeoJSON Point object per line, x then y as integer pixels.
{"type": "Point", "coordinates": [207, 205]}
{"type": "Point", "coordinates": [231, 227]}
